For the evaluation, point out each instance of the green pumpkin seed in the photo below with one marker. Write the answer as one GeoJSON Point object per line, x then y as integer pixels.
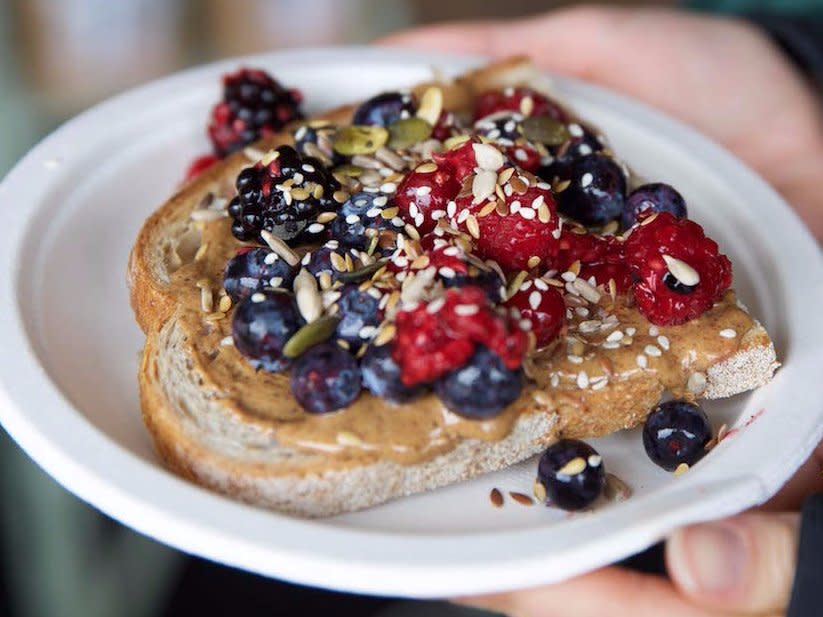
{"type": "Point", "coordinates": [545, 130]}
{"type": "Point", "coordinates": [351, 140]}
{"type": "Point", "coordinates": [408, 131]}
{"type": "Point", "coordinates": [310, 335]}
{"type": "Point", "coordinates": [363, 273]}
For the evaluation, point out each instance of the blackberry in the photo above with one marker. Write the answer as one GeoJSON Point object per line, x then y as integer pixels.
{"type": "Point", "coordinates": [253, 105]}
{"type": "Point", "coordinates": [282, 196]}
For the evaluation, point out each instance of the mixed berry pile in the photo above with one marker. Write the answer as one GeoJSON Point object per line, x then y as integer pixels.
{"type": "Point", "coordinates": [417, 250]}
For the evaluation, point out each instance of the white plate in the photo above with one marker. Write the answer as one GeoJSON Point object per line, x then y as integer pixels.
{"type": "Point", "coordinates": [68, 355]}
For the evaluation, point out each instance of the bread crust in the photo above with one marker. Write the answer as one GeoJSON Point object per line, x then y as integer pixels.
{"type": "Point", "coordinates": [213, 444]}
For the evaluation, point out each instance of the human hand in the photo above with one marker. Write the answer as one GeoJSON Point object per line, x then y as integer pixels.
{"type": "Point", "coordinates": [722, 76]}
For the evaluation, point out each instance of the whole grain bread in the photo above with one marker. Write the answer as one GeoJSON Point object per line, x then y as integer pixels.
{"type": "Point", "coordinates": [202, 433]}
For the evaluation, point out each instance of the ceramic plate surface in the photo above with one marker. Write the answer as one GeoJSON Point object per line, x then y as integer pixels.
{"type": "Point", "coordinates": [68, 351]}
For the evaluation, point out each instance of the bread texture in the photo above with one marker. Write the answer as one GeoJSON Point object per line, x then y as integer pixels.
{"type": "Point", "coordinates": [203, 433]}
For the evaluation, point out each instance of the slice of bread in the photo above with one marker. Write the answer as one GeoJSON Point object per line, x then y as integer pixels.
{"type": "Point", "coordinates": [219, 423]}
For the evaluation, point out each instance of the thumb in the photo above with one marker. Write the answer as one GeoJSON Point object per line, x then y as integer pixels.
{"type": "Point", "coordinates": [744, 564]}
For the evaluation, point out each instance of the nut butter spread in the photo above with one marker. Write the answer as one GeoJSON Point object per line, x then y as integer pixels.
{"type": "Point", "coordinates": [609, 361]}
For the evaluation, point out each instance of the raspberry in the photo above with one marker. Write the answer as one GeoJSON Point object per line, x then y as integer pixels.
{"type": "Point", "coordinates": [433, 340]}
{"type": "Point", "coordinates": [543, 306]}
{"type": "Point", "coordinates": [511, 99]}
{"type": "Point", "coordinates": [679, 272]}
{"type": "Point", "coordinates": [254, 105]}
{"type": "Point", "coordinates": [524, 156]}
{"type": "Point", "coordinates": [460, 160]}
{"type": "Point", "coordinates": [514, 239]}
{"type": "Point", "coordinates": [421, 194]}
{"type": "Point", "coordinates": [199, 165]}
{"type": "Point", "coordinates": [446, 126]}
{"type": "Point", "coordinates": [600, 256]}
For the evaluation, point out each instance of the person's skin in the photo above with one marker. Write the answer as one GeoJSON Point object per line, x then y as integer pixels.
{"type": "Point", "coordinates": [728, 80]}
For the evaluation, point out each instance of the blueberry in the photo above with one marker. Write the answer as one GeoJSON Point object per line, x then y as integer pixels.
{"type": "Point", "coordinates": [361, 211]}
{"type": "Point", "coordinates": [317, 138]}
{"type": "Point", "coordinates": [319, 260]}
{"type": "Point", "coordinates": [360, 315]}
{"type": "Point", "coordinates": [253, 270]}
{"type": "Point", "coordinates": [481, 388]}
{"type": "Point", "coordinates": [502, 127]}
{"type": "Point", "coordinates": [655, 197]}
{"type": "Point", "coordinates": [325, 378]}
{"type": "Point", "coordinates": [381, 376]}
{"type": "Point", "coordinates": [489, 280]}
{"type": "Point", "coordinates": [582, 142]}
{"type": "Point", "coordinates": [676, 432]}
{"type": "Point", "coordinates": [596, 192]}
{"type": "Point", "coordinates": [384, 109]}
{"type": "Point", "coordinates": [572, 473]}
{"type": "Point", "coordinates": [261, 326]}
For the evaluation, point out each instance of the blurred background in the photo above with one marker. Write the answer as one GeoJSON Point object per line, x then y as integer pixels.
{"type": "Point", "coordinates": [58, 556]}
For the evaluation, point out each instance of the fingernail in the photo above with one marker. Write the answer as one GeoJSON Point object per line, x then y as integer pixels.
{"type": "Point", "coordinates": [709, 558]}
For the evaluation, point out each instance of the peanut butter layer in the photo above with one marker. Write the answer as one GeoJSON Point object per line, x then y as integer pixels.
{"type": "Point", "coordinates": [611, 361]}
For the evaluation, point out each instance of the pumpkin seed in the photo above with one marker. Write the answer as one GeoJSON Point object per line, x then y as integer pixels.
{"type": "Point", "coordinates": [310, 335]}
{"type": "Point", "coordinates": [349, 171]}
{"type": "Point", "coordinates": [544, 130]}
{"type": "Point", "coordinates": [362, 273]}
{"type": "Point", "coordinates": [351, 140]}
{"type": "Point", "coordinates": [406, 132]}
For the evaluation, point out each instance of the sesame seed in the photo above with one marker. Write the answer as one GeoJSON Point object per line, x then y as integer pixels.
{"type": "Point", "coordinates": [451, 209]}
{"type": "Point", "coordinates": [466, 310]}
{"type": "Point", "coordinates": [614, 336]}
{"type": "Point", "coordinates": [367, 332]}
{"type": "Point", "coordinates": [315, 228]}
{"type": "Point", "coordinates": [388, 187]}
{"type": "Point", "coordinates": [568, 276]}
{"type": "Point", "coordinates": [372, 213]}
{"type": "Point", "coordinates": [582, 380]}
{"type": "Point", "coordinates": [534, 299]}
{"type": "Point", "coordinates": [654, 330]}
{"type": "Point", "coordinates": [728, 333]}
{"type": "Point", "coordinates": [271, 258]}
{"type": "Point", "coordinates": [663, 342]}
{"type": "Point", "coordinates": [610, 345]}
{"type": "Point", "coordinates": [652, 351]}
{"type": "Point", "coordinates": [575, 130]}
{"type": "Point", "coordinates": [582, 311]}
{"type": "Point", "coordinates": [424, 190]}
{"type": "Point", "coordinates": [257, 297]}
{"type": "Point", "coordinates": [554, 380]}
{"type": "Point", "coordinates": [308, 168]}
{"type": "Point", "coordinates": [527, 214]}
{"type": "Point", "coordinates": [540, 283]}
{"type": "Point", "coordinates": [574, 359]}
{"type": "Point", "coordinates": [515, 206]}
{"type": "Point", "coordinates": [599, 386]}
{"type": "Point", "coordinates": [447, 272]}
{"type": "Point", "coordinates": [227, 340]}
{"type": "Point", "coordinates": [630, 331]}
{"type": "Point", "coordinates": [586, 179]}
{"type": "Point", "coordinates": [435, 305]}
{"type": "Point", "coordinates": [642, 361]}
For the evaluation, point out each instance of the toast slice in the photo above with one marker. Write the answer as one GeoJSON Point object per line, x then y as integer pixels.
{"type": "Point", "coordinates": [220, 423]}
